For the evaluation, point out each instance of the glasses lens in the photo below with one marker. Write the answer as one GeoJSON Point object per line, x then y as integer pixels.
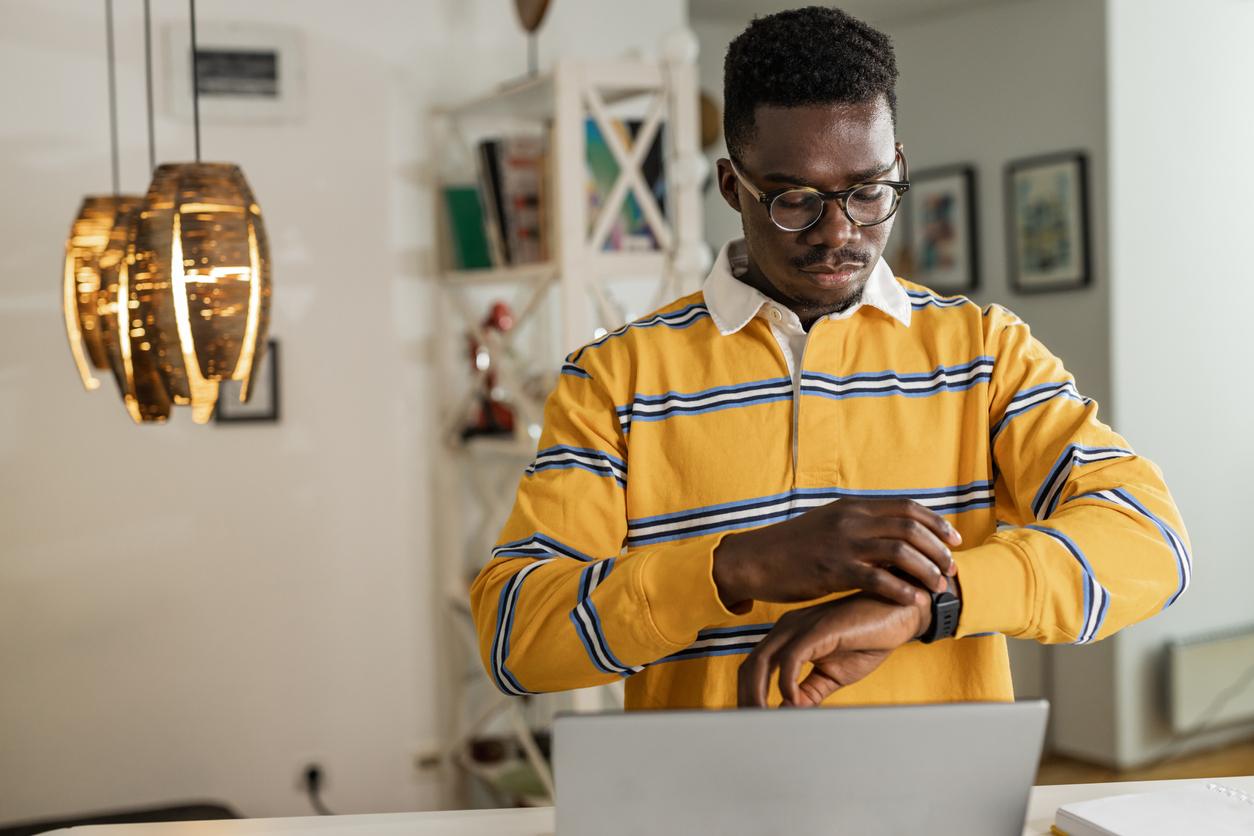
{"type": "Point", "coordinates": [796, 210]}
{"type": "Point", "coordinates": [872, 203]}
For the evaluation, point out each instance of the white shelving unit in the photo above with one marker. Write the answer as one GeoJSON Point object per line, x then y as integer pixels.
{"type": "Point", "coordinates": [558, 306]}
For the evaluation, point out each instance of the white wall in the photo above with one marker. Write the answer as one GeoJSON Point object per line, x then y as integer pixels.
{"type": "Point", "coordinates": [1181, 72]}
{"type": "Point", "coordinates": [984, 86]}
{"type": "Point", "coordinates": [187, 611]}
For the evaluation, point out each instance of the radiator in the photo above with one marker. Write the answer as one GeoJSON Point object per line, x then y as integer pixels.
{"type": "Point", "coordinates": [1210, 679]}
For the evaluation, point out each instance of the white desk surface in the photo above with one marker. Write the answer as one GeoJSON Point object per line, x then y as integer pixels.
{"type": "Point", "coordinates": [539, 821]}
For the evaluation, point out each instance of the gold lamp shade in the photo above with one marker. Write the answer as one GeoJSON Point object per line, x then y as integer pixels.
{"type": "Point", "coordinates": [200, 281]}
{"type": "Point", "coordinates": [89, 237]}
{"type": "Point", "coordinates": [132, 358]}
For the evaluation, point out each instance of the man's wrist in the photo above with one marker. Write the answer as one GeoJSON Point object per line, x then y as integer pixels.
{"type": "Point", "coordinates": [945, 611]}
{"type": "Point", "coordinates": [729, 573]}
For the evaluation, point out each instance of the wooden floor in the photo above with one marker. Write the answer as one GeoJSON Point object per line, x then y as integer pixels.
{"type": "Point", "coordinates": [1233, 759]}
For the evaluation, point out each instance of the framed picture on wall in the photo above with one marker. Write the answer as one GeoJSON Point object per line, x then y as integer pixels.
{"type": "Point", "coordinates": [263, 403]}
{"type": "Point", "coordinates": [941, 219]}
{"type": "Point", "coordinates": [1047, 221]}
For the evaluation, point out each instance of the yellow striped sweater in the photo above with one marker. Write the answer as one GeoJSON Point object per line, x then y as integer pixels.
{"type": "Point", "coordinates": [666, 435]}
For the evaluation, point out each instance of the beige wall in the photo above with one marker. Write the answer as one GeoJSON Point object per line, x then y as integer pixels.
{"type": "Point", "coordinates": [191, 612]}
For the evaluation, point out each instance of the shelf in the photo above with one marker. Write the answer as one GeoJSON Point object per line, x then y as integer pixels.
{"type": "Point", "coordinates": [514, 777]}
{"type": "Point", "coordinates": [478, 476]}
{"type": "Point", "coordinates": [535, 97]}
{"type": "Point", "coordinates": [527, 273]}
{"type": "Point", "coordinates": [604, 265]}
{"type": "Point", "coordinates": [527, 97]}
{"type": "Point", "coordinates": [500, 445]}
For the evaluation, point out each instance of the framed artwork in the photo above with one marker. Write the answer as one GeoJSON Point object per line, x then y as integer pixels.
{"type": "Point", "coordinates": [248, 72]}
{"type": "Point", "coordinates": [940, 211]}
{"type": "Point", "coordinates": [1047, 207]}
{"type": "Point", "coordinates": [263, 403]}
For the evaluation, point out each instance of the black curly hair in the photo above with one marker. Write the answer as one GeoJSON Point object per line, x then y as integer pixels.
{"type": "Point", "coordinates": [815, 55]}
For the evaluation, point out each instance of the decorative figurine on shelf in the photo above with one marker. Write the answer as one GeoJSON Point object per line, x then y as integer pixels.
{"type": "Point", "coordinates": [531, 15]}
{"type": "Point", "coordinates": [492, 416]}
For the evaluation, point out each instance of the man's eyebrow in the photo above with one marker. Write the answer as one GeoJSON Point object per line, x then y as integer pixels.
{"type": "Point", "coordinates": [856, 177]}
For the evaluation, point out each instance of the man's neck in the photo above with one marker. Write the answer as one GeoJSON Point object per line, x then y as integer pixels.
{"type": "Point", "coordinates": [807, 312]}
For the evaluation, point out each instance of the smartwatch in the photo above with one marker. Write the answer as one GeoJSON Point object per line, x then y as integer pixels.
{"type": "Point", "coordinates": [946, 607]}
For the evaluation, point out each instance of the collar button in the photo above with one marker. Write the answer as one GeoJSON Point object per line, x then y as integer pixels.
{"type": "Point", "coordinates": [775, 314]}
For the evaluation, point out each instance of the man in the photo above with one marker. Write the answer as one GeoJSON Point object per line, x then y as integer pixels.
{"type": "Point", "coordinates": [798, 469]}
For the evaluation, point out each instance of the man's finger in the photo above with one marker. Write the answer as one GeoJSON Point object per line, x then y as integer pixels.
{"type": "Point", "coordinates": [816, 687]}
{"type": "Point", "coordinates": [838, 670]}
{"type": "Point", "coordinates": [887, 585]}
{"type": "Point", "coordinates": [938, 525]}
{"type": "Point", "coordinates": [907, 557]}
{"type": "Point", "coordinates": [789, 659]}
{"type": "Point", "coordinates": [753, 680]}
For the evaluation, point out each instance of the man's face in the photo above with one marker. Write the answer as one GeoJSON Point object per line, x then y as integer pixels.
{"type": "Point", "coordinates": [829, 147]}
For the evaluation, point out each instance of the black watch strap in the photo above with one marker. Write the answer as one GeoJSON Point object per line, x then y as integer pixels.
{"type": "Point", "coordinates": [946, 608]}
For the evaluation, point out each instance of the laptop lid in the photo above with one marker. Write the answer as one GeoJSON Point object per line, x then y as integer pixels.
{"type": "Point", "coordinates": [959, 769]}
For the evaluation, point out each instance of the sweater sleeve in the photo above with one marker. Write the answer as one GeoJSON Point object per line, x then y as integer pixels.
{"type": "Point", "coordinates": [560, 605]}
{"type": "Point", "coordinates": [1096, 542]}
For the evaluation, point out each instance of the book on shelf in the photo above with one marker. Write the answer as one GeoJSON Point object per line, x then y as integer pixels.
{"type": "Point", "coordinates": [512, 173]}
{"type": "Point", "coordinates": [490, 187]}
{"type": "Point", "coordinates": [465, 224]}
{"type": "Point", "coordinates": [630, 231]}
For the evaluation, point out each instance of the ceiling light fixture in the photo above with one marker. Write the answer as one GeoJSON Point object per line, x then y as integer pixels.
{"type": "Point", "coordinates": [89, 235]}
{"type": "Point", "coordinates": [170, 291]}
{"type": "Point", "coordinates": [201, 274]}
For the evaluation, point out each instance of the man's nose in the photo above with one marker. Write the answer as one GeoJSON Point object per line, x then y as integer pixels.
{"type": "Point", "coordinates": [834, 230]}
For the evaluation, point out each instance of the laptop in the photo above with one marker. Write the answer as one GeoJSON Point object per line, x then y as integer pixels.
{"type": "Point", "coordinates": [958, 769]}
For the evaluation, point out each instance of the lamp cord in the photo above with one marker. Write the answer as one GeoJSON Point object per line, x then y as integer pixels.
{"type": "Point", "coordinates": [195, 79]}
{"type": "Point", "coordinates": [152, 141]}
{"type": "Point", "coordinates": [113, 97]}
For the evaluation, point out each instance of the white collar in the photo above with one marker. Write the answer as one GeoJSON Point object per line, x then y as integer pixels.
{"type": "Point", "coordinates": [733, 303]}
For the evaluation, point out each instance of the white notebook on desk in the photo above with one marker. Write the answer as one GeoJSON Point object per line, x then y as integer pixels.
{"type": "Point", "coordinates": [1202, 808]}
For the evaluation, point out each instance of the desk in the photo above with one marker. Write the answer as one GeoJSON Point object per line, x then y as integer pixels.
{"type": "Point", "coordinates": [539, 821]}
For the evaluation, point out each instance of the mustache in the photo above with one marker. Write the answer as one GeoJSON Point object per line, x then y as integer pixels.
{"type": "Point", "coordinates": [839, 256]}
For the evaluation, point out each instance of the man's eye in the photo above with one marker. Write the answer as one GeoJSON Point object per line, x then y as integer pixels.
{"type": "Point", "coordinates": [795, 200]}
{"type": "Point", "coordinates": [870, 194]}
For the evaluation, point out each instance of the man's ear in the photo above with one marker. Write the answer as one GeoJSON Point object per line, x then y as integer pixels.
{"type": "Point", "coordinates": [728, 185]}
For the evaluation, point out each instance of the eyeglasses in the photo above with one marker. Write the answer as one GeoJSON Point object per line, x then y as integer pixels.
{"type": "Point", "coordinates": [798, 208]}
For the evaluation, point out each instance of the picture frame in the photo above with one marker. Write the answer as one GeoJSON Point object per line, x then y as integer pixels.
{"type": "Point", "coordinates": [251, 72]}
{"type": "Point", "coordinates": [263, 403]}
{"type": "Point", "coordinates": [1047, 223]}
{"type": "Point", "coordinates": [942, 223]}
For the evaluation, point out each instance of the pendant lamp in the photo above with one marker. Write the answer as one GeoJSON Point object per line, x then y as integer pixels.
{"type": "Point", "coordinates": [89, 236]}
{"type": "Point", "coordinates": [201, 274]}
{"type": "Point", "coordinates": [131, 351]}
{"type": "Point", "coordinates": [170, 291]}
{"type": "Point", "coordinates": [201, 277]}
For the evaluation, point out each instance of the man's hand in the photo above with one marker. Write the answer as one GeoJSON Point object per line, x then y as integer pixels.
{"type": "Point", "coordinates": [845, 640]}
{"type": "Point", "coordinates": [847, 544]}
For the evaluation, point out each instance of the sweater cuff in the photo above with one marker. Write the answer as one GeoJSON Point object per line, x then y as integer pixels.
{"type": "Point", "coordinates": [678, 587]}
{"type": "Point", "coordinates": [998, 590]}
